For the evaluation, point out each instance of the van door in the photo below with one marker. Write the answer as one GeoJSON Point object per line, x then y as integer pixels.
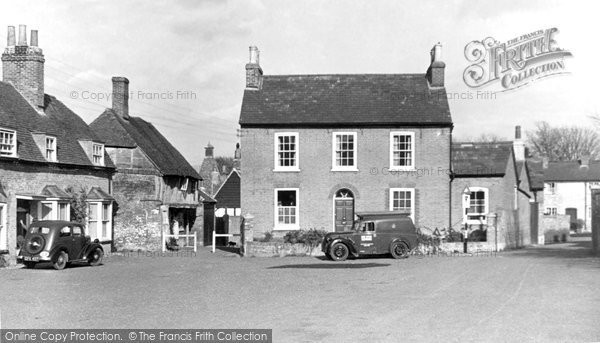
{"type": "Point", "coordinates": [366, 244]}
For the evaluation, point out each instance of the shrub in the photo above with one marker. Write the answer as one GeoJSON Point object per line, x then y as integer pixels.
{"type": "Point", "coordinates": [267, 237]}
{"type": "Point", "coordinates": [310, 237]}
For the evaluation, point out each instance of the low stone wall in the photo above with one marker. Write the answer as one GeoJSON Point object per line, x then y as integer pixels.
{"type": "Point", "coordinates": [279, 249]}
{"type": "Point", "coordinates": [556, 228]}
{"type": "Point", "coordinates": [472, 247]}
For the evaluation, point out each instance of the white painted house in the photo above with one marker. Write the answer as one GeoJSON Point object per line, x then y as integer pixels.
{"type": "Point", "coordinates": [567, 189]}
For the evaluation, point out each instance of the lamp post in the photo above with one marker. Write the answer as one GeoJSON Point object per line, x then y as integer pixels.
{"type": "Point", "coordinates": [466, 201]}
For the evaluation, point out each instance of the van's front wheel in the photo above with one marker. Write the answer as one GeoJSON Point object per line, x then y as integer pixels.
{"type": "Point", "coordinates": [339, 252]}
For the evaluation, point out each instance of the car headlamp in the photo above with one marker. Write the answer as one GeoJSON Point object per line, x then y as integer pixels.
{"type": "Point", "coordinates": [44, 254]}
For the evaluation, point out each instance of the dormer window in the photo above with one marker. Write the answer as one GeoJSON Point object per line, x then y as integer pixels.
{"type": "Point", "coordinates": [51, 148]}
{"type": "Point", "coordinates": [98, 154]}
{"type": "Point", "coordinates": [8, 143]}
{"type": "Point", "coordinates": [184, 184]}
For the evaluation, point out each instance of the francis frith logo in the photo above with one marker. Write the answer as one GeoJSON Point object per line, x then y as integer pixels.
{"type": "Point", "coordinates": [515, 63]}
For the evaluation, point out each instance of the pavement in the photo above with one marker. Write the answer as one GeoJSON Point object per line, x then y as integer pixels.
{"type": "Point", "coordinates": [541, 294]}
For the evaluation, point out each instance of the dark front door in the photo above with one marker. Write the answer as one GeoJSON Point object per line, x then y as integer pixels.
{"type": "Point", "coordinates": [572, 212]}
{"type": "Point", "coordinates": [344, 210]}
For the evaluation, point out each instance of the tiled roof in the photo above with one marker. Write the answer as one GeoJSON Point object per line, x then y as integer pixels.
{"type": "Point", "coordinates": [121, 133]}
{"type": "Point", "coordinates": [228, 195]}
{"type": "Point", "coordinates": [536, 174]}
{"type": "Point", "coordinates": [96, 193]}
{"type": "Point", "coordinates": [480, 159]}
{"type": "Point", "coordinates": [350, 100]}
{"type": "Point", "coordinates": [58, 121]}
{"type": "Point", "coordinates": [572, 171]}
{"type": "Point", "coordinates": [52, 191]}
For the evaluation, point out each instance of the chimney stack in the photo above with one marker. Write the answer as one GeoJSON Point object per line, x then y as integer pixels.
{"type": "Point", "coordinates": [584, 161]}
{"type": "Point", "coordinates": [435, 73]}
{"type": "Point", "coordinates": [120, 97]}
{"type": "Point", "coordinates": [545, 161]}
{"type": "Point", "coordinates": [519, 145]}
{"type": "Point", "coordinates": [253, 70]}
{"type": "Point", "coordinates": [23, 66]}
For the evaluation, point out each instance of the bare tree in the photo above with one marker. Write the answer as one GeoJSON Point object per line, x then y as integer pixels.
{"type": "Point", "coordinates": [565, 143]}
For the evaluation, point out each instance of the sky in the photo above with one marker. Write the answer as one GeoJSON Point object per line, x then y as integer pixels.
{"type": "Point", "coordinates": [185, 59]}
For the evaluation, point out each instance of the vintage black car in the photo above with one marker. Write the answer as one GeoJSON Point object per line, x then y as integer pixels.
{"type": "Point", "coordinates": [373, 233]}
{"type": "Point", "coordinates": [59, 242]}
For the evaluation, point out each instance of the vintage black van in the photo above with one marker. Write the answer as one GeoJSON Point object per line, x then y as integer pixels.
{"type": "Point", "coordinates": [373, 233]}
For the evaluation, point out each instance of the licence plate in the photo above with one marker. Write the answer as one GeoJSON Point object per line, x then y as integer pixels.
{"type": "Point", "coordinates": [31, 258]}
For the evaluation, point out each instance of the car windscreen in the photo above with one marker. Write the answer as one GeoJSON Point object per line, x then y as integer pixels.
{"type": "Point", "coordinates": [39, 229]}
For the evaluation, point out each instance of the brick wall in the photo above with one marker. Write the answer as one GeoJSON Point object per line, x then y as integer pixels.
{"type": "Point", "coordinates": [27, 179]}
{"type": "Point", "coordinates": [370, 184]}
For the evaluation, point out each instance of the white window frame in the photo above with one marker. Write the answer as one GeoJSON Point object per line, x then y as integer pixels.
{"type": "Point", "coordinates": [100, 156]}
{"type": "Point", "coordinates": [3, 228]}
{"type": "Point", "coordinates": [276, 224]}
{"type": "Point", "coordinates": [334, 166]}
{"type": "Point", "coordinates": [4, 142]}
{"type": "Point", "coordinates": [412, 200]}
{"type": "Point", "coordinates": [68, 210]}
{"type": "Point", "coordinates": [184, 184]}
{"type": "Point", "coordinates": [276, 166]}
{"type": "Point", "coordinates": [50, 152]}
{"type": "Point", "coordinates": [100, 220]}
{"type": "Point", "coordinates": [412, 150]}
{"type": "Point", "coordinates": [486, 194]}
{"type": "Point", "coordinates": [550, 188]}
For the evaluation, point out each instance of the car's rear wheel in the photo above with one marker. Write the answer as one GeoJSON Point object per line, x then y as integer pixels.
{"type": "Point", "coordinates": [29, 265]}
{"type": "Point", "coordinates": [399, 250]}
{"type": "Point", "coordinates": [95, 257]}
{"type": "Point", "coordinates": [339, 252]}
{"type": "Point", "coordinates": [61, 261]}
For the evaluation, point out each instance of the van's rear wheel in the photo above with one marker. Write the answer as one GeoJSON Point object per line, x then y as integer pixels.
{"type": "Point", "coordinates": [399, 250]}
{"type": "Point", "coordinates": [339, 252]}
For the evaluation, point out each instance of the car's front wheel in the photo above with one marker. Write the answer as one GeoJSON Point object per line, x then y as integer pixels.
{"type": "Point", "coordinates": [399, 250]}
{"type": "Point", "coordinates": [61, 261]}
{"type": "Point", "coordinates": [95, 257]}
{"type": "Point", "coordinates": [339, 252]}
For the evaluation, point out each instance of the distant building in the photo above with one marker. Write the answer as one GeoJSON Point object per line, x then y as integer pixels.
{"type": "Point", "coordinates": [47, 153]}
{"type": "Point", "coordinates": [567, 190]}
{"type": "Point", "coordinates": [157, 189]}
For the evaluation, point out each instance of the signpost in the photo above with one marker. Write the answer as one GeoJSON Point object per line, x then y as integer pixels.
{"type": "Point", "coordinates": [466, 203]}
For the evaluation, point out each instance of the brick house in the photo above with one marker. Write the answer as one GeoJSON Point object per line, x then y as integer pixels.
{"type": "Point", "coordinates": [46, 150]}
{"type": "Point", "coordinates": [497, 180]}
{"type": "Point", "coordinates": [318, 148]}
{"type": "Point", "coordinates": [156, 188]}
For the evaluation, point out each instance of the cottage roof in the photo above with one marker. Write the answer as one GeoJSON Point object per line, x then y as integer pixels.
{"type": "Point", "coordinates": [57, 121]}
{"type": "Point", "coordinates": [345, 100]}
{"type": "Point", "coordinates": [136, 132]}
{"type": "Point", "coordinates": [572, 171]}
{"type": "Point", "coordinates": [480, 159]}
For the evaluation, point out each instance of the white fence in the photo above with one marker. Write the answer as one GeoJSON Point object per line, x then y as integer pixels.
{"type": "Point", "coordinates": [187, 241]}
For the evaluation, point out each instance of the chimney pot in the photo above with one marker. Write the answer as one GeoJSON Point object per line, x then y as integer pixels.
{"type": "Point", "coordinates": [22, 35]}
{"type": "Point", "coordinates": [34, 38]}
{"type": "Point", "coordinates": [518, 132]}
{"type": "Point", "coordinates": [209, 150]}
{"type": "Point", "coordinates": [11, 39]}
{"type": "Point", "coordinates": [120, 96]}
{"type": "Point", "coordinates": [254, 55]}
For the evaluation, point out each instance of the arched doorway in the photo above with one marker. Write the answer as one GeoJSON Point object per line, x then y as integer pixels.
{"type": "Point", "coordinates": [343, 210]}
